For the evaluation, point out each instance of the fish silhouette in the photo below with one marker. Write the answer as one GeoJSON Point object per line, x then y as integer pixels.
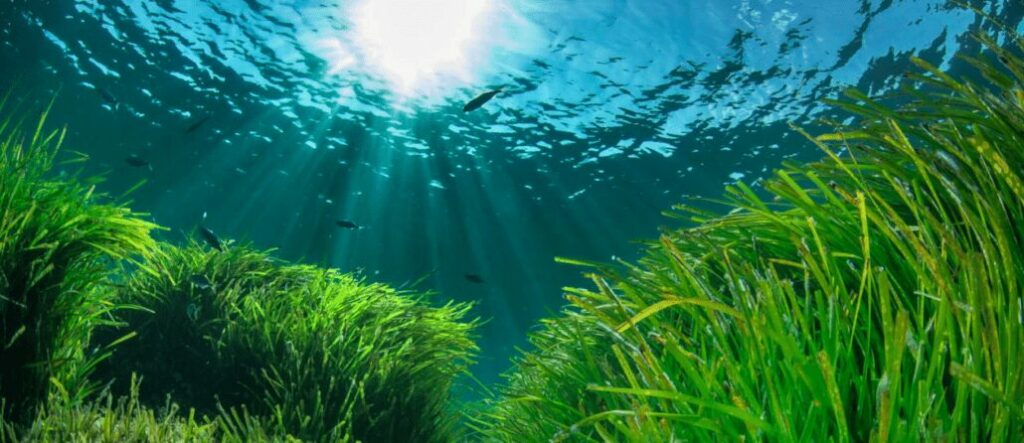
{"type": "Point", "coordinates": [346, 224]}
{"type": "Point", "coordinates": [211, 238]}
{"type": "Point", "coordinates": [479, 101]}
{"type": "Point", "coordinates": [194, 126]}
{"type": "Point", "coordinates": [137, 162]}
{"type": "Point", "coordinates": [108, 98]}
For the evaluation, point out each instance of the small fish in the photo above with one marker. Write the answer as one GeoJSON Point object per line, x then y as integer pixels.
{"type": "Point", "coordinates": [138, 162]}
{"type": "Point", "coordinates": [108, 97]}
{"type": "Point", "coordinates": [200, 281]}
{"type": "Point", "coordinates": [346, 224]}
{"type": "Point", "coordinates": [211, 238]}
{"type": "Point", "coordinates": [474, 278]}
{"type": "Point", "coordinates": [479, 101]}
{"type": "Point", "coordinates": [199, 123]}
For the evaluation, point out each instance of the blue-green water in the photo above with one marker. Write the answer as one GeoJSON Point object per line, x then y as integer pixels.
{"type": "Point", "coordinates": [275, 119]}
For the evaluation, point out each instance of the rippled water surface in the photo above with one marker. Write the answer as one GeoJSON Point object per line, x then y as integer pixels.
{"type": "Point", "coordinates": [275, 119]}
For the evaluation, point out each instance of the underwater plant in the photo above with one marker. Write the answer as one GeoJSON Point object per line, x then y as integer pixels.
{"type": "Point", "coordinates": [58, 242]}
{"type": "Point", "coordinates": [874, 295]}
{"type": "Point", "coordinates": [115, 420]}
{"type": "Point", "coordinates": [285, 349]}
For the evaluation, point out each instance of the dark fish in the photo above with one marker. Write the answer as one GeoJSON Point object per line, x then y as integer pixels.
{"type": "Point", "coordinates": [346, 224]}
{"type": "Point", "coordinates": [136, 161]}
{"type": "Point", "coordinates": [479, 101]}
{"type": "Point", "coordinates": [211, 238]}
{"type": "Point", "coordinates": [474, 278]}
{"type": "Point", "coordinates": [200, 281]}
{"type": "Point", "coordinates": [108, 97]}
{"type": "Point", "coordinates": [194, 126]}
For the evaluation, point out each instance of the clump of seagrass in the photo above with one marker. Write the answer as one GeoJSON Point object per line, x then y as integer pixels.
{"type": "Point", "coordinates": [124, 419]}
{"type": "Point", "coordinates": [58, 240]}
{"type": "Point", "coordinates": [876, 296]}
{"type": "Point", "coordinates": [310, 352]}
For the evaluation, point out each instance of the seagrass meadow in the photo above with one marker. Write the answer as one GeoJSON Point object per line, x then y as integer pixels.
{"type": "Point", "coordinates": [873, 295]}
{"type": "Point", "coordinates": [252, 348]}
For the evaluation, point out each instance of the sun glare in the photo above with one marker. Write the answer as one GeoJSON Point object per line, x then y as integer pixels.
{"type": "Point", "coordinates": [410, 40]}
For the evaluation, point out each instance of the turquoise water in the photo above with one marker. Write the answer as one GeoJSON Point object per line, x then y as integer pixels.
{"type": "Point", "coordinates": [270, 121]}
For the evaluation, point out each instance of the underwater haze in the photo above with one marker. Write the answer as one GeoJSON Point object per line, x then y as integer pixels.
{"type": "Point", "coordinates": [336, 131]}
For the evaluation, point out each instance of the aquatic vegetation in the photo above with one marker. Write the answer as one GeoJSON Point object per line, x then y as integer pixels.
{"type": "Point", "coordinates": [291, 349]}
{"type": "Point", "coordinates": [125, 418]}
{"type": "Point", "coordinates": [874, 295]}
{"type": "Point", "coordinates": [58, 240]}
{"type": "Point", "coordinates": [253, 348]}
{"type": "Point", "coordinates": [110, 419]}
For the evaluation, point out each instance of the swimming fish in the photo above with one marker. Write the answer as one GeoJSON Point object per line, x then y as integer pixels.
{"type": "Point", "coordinates": [108, 98]}
{"type": "Point", "coordinates": [211, 238]}
{"type": "Point", "coordinates": [346, 224]}
{"type": "Point", "coordinates": [200, 281]}
{"type": "Point", "coordinates": [197, 124]}
{"type": "Point", "coordinates": [479, 101]}
{"type": "Point", "coordinates": [474, 278]}
{"type": "Point", "coordinates": [137, 162]}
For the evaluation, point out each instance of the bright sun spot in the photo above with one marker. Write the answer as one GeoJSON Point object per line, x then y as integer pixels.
{"type": "Point", "coordinates": [411, 40]}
